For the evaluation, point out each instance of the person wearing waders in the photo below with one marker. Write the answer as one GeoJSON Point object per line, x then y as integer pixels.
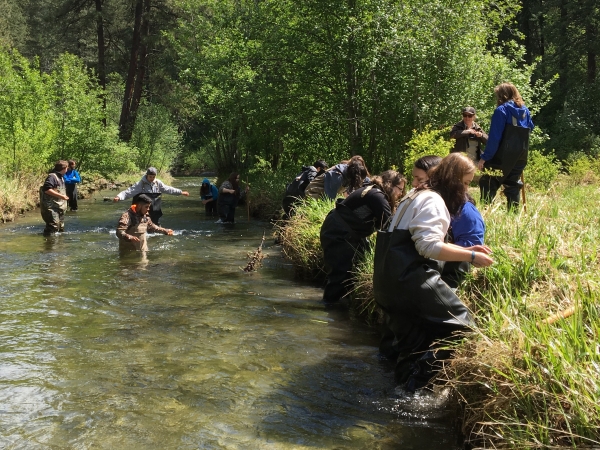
{"type": "Point", "coordinates": [421, 310]}
{"type": "Point", "coordinates": [346, 228]}
{"type": "Point", "coordinates": [53, 199]}
{"type": "Point", "coordinates": [153, 188]}
{"type": "Point", "coordinates": [467, 227]}
{"type": "Point", "coordinates": [341, 179]}
{"type": "Point", "coordinates": [72, 178]}
{"type": "Point", "coordinates": [507, 147]}
{"type": "Point", "coordinates": [135, 223]}
{"type": "Point", "coordinates": [295, 191]}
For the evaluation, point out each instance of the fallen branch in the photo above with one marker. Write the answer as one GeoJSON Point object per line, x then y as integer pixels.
{"type": "Point", "coordinates": [255, 258]}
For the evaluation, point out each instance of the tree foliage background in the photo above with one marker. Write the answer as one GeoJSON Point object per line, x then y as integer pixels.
{"type": "Point", "coordinates": [264, 85]}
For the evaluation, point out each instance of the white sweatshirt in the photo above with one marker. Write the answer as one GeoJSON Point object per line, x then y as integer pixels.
{"type": "Point", "coordinates": [427, 219]}
{"type": "Point", "coordinates": [145, 187]}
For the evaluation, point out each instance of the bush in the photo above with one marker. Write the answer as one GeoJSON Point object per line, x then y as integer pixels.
{"type": "Point", "coordinates": [583, 169]}
{"type": "Point", "coordinates": [426, 142]}
{"type": "Point", "coordinates": [542, 170]}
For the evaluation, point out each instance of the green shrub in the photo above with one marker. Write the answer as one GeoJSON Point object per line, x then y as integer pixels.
{"type": "Point", "coordinates": [583, 169]}
{"type": "Point", "coordinates": [542, 170]}
{"type": "Point", "coordinates": [426, 142]}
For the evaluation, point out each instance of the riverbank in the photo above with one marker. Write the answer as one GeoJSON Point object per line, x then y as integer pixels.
{"type": "Point", "coordinates": [523, 382]}
{"type": "Point", "coordinates": [21, 194]}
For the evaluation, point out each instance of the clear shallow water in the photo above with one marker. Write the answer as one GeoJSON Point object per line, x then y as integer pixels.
{"type": "Point", "coordinates": [182, 349]}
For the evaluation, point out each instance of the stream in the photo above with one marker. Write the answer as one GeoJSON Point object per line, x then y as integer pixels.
{"type": "Point", "coordinates": [181, 349]}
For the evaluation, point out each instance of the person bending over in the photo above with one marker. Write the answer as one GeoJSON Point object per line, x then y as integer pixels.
{"type": "Point", "coordinates": [346, 228]}
{"type": "Point", "coordinates": [421, 309]}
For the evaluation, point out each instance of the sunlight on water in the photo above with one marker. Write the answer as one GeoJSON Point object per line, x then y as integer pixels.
{"type": "Point", "coordinates": [182, 349]}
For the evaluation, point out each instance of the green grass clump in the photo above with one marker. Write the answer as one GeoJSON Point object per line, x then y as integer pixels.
{"type": "Point", "coordinates": [300, 235]}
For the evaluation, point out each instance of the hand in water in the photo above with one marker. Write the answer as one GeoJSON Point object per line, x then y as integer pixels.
{"type": "Point", "coordinates": [185, 193]}
{"type": "Point", "coordinates": [116, 199]}
{"type": "Point", "coordinates": [169, 232]}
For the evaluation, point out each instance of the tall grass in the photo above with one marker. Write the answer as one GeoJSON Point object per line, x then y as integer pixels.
{"type": "Point", "coordinates": [300, 235]}
{"type": "Point", "coordinates": [18, 195]}
{"type": "Point", "coordinates": [524, 383]}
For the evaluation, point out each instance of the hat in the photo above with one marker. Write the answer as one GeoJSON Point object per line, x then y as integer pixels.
{"type": "Point", "coordinates": [321, 164]}
{"type": "Point", "coordinates": [469, 110]}
{"type": "Point", "coordinates": [151, 171]}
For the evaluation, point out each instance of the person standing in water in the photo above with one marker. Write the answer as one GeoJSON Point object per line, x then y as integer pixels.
{"type": "Point", "coordinates": [53, 199]}
{"type": "Point", "coordinates": [72, 178]}
{"type": "Point", "coordinates": [153, 188]}
{"type": "Point", "coordinates": [135, 223]}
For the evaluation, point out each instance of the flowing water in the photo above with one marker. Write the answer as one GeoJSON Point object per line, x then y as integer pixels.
{"type": "Point", "coordinates": [182, 349]}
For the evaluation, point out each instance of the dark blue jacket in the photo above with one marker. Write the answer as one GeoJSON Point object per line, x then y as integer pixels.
{"type": "Point", "coordinates": [503, 114]}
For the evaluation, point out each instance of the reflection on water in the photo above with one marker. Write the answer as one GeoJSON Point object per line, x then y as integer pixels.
{"type": "Point", "coordinates": [179, 348]}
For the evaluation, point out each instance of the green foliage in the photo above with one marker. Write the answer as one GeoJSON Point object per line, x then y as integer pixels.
{"type": "Point", "coordinates": [583, 169]}
{"type": "Point", "coordinates": [426, 142]}
{"type": "Point", "coordinates": [542, 170]}
{"type": "Point", "coordinates": [156, 137]}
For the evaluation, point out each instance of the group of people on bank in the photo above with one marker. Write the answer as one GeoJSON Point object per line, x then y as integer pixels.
{"type": "Point", "coordinates": [427, 241]}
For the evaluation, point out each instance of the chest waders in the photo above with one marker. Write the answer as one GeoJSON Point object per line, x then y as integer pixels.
{"type": "Point", "coordinates": [511, 159]}
{"type": "Point", "coordinates": [138, 227]}
{"type": "Point", "coordinates": [53, 208]}
{"type": "Point", "coordinates": [421, 308]}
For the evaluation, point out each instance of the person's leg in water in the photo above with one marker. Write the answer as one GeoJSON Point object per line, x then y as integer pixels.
{"type": "Point", "coordinates": [54, 221]}
{"type": "Point", "coordinates": [72, 194]}
{"type": "Point", "coordinates": [230, 217]}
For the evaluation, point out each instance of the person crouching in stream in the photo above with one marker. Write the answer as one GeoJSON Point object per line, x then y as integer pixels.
{"type": "Point", "coordinates": [346, 228]}
{"type": "Point", "coordinates": [135, 223]}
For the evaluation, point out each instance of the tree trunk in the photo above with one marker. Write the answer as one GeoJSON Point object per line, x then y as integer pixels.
{"type": "Point", "coordinates": [352, 106]}
{"type": "Point", "coordinates": [125, 125]}
{"type": "Point", "coordinates": [142, 66]}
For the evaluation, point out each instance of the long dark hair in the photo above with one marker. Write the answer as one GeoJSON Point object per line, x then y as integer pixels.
{"type": "Point", "coordinates": [234, 182]}
{"type": "Point", "coordinates": [447, 180]}
{"type": "Point", "coordinates": [428, 162]}
{"type": "Point", "coordinates": [387, 181]}
{"type": "Point", "coordinates": [356, 172]}
{"type": "Point", "coordinates": [507, 91]}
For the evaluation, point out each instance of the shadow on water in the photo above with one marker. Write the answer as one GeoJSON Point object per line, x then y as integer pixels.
{"type": "Point", "coordinates": [180, 348]}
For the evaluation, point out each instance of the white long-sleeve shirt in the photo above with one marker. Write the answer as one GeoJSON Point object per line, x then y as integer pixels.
{"type": "Point", "coordinates": [144, 187]}
{"type": "Point", "coordinates": [427, 219]}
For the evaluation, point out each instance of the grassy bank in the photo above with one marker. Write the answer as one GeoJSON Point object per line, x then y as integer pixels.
{"type": "Point", "coordinates": [524, 383]}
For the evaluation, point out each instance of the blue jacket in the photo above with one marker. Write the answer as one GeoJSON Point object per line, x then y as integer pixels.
{"type": "Point", "coordinates": [213, 189]}
{"type": "Point", "coordinates": [71, 177]}
{"type": "Point", "coordinates": [503, 114]}
{"type": "Point", "coordinates": [468, 227]}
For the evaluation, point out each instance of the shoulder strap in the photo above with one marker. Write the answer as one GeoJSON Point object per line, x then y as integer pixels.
{"type": "Point", "coordinates": [367, 189]}
{"type": "Point", "coordinates": [514, 121]}
{"type": "Point", "coordinates": [405, 203]}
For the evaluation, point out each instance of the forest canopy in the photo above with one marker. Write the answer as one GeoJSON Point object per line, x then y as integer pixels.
{"type": "Point", "coordinates": [226, 84]}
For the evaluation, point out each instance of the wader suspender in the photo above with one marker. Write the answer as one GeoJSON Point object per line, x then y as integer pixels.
{"type": "Point", "coordinates": [405, 202]}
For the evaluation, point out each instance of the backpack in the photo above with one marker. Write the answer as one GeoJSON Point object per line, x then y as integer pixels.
{"type": "Point", "coordinates": [297, 187]}
{"type": "Point", "coordinates": [316, 187]}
